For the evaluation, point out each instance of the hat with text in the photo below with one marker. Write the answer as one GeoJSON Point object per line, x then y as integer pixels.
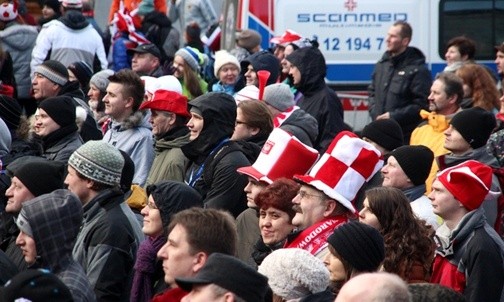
{"type": "Point", "coordinates": [469, 182]}
{"type": "Point", "coordinates": [282, 155]}
{"type": "Point", "coordinates": [343, 169]}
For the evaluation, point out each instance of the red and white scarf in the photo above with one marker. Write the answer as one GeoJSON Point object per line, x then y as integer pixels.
{"type": "Point", "coordinates": [314, 238]}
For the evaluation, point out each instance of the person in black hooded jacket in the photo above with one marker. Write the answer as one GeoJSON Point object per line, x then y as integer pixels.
{"type": "Point", "coordinates": [308, 71]}
{"type": "Point", "coordinates": [158, 29]}
{"type": "Point", "coordinates": [214, 157]}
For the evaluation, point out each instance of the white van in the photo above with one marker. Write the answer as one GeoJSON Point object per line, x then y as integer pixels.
{"type": "Point", "coordinates": [352, 34]}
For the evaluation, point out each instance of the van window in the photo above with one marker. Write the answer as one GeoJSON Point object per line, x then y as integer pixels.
{"type": "Point", "coordinates": [480, 20]}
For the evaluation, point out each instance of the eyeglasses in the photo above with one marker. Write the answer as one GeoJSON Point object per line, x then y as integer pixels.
{"type": "Point", "coordinates": [151, 205]}
{"type": "Point", "coordinates": [304, 195]}
{"type": "Point", "coordinates": [239, 123]}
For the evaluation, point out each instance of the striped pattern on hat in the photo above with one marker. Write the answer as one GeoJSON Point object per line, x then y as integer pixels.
{"type": "Point", "coordinates": [54, 71]}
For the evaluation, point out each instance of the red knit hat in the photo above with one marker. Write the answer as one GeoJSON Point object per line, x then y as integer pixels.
{"type": "Point", "coordinates": [165, 100]}
{"type": "Point", "coordinates": [347, 164]}
{"type": "Point", "coordinates": [469, 182]}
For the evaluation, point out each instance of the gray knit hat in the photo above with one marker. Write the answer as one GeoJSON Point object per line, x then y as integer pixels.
{"type": "Point", "coordinates": [294, 273]}
{"type": "Point", "coordinates": [98, 161]}
{"type": "Point", "coordinates": [279, 96]}
{"type": "Point", "coordinates": [54, 71]}
{"type": "Point", "coordinates": [100, 79]}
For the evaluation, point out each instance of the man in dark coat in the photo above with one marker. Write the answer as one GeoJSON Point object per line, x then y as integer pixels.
{"type": "Point", "coordinates": [308, 71]}
{"type": "Point", "coordinates": [400, 82]}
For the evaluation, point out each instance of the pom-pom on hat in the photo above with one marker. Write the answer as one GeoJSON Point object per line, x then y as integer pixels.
{"type": "Point", "coordinates": [164, 100]}
{"type": "Point", "coordinates": [282, 155]}
{"type": "Point", "coordinates": [475, 125]}
{"type": "Point", "coordinates": [54, 71]}
{"type": "Point", "coordinates": [8, 11]}
{"type": "Point", "coordinates": [360, 245]}
{"type": "Point", "coordinates": [98, 161]}
{"type": "Point", "coordinates": [222, 57]}
{"type": "Point", "coordinates": [469, 182]}
{"type": "Point", "coordinates": [416, 162]}
{"type": "Point", "coordinates": [193, 57]}
{"type": "Point", "coordinates": [386, 133]}
{"type": "Point", "coordinates": [100, 79]}
{"type": "Point", "coordinates": [294, 273]}
{"type": "Point", "coordinates": [347, 164]}
{"type": "Point", "coordinates": [279, 96]}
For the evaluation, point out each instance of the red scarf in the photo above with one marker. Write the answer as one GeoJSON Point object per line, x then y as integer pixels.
{"type": "Point", "coordinates": [314, 238]}
{"type": "Point", "coordinates": [282, 116]}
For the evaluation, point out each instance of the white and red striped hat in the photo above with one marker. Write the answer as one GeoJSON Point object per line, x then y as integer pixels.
{"type": "Point", "coordinates": [283, 155]}
{"type": "Point", "coordinates": [347, 164]}
{"type": "Point", "coordinates": [469, 182]}
{"type": "Point", "coordinates": [8, 11]}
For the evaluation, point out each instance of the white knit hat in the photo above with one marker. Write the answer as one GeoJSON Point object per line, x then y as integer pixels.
{"type": "Point", "coordinates": [250, 92]}
{"type": "Point", "coordinates": [294, 273]}
{"type": "Point", "coordinates": [222, 57]}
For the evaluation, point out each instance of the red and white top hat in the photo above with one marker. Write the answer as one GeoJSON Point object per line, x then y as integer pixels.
{"type": "Point", "coordinates": [347, 164]}
{"type": "Point", "coordinates": [8, 11]}
{"type": "Point", "coordinates": [469, 182]}
{"type": "Point", "coordinates": [288, 36]}
{"type": "Point", "coordinates": [283, 155]}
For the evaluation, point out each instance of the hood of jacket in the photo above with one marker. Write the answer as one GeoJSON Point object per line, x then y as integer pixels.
{"type": "Point", "coordinates": [137, 119]}
{"type": "Point", "coordinates": [74, 20]}
{"type": "Point", "coordinates": [312, 66]}
{"type": "Point", "coordinates": [155, 18]}
{"type": "Point", "coordinates": [302, 120]}
{"type": "Point", "coordinates": [55, 220]}
{"type": "Point", "coordinates": [479, 154]}
{"type": "Point", "coordinates": [19, 37]}
{"type": "Point", "coordinates": [175, 138]}
{"type": "Point", "coordinates": [411, 56]}
{"type": "Point", "coordinates": [72, 89]}
{"type": "Point", "coordinates": [218, 110]}
{"type": "Point", "coordinates": [263, 60]}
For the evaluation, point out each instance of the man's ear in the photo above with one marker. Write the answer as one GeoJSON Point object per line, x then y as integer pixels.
{"type": "Point", "coordinates": [255, 130]}
{"type": "Point", "coordinates": [129, 102]}
{"type": "Point", "coordinates": [89, 183]}
{"type": "Point", "coordinates": [330, 207]}
{"type": "Point", "coordinates": [199, 260]}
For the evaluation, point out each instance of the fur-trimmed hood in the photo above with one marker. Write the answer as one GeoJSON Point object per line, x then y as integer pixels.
{"type": "Point", "coordinates": [137, 119]}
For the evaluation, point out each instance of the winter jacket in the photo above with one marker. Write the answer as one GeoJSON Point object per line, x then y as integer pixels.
{"type": "Point", "coordinates": [19, 41]}
{"type": "Point", "coordinates": [479, 154]}
{"type": "Point", "coordinates": [214, 159]}
{"type": "Point", "coordinates": [199, 11]}
{"type": "Point", "coordinates": [8, 235]}
{"type": "Point", "coordinates": [69, 39]}
{"type": "Point", "coordinates": [134, 137]}
{"type": "Point", "coordinates": [318, 100]}
{"type": "Point", "coordinates": [55, 220]}
{"type": "Point", "coordinates": [303, 126]}
{"type": "Point", "coordinates": [430, 133]}
{"type": "Point", "coordinates": [400, 85]}
{"type": "Point", "coordinates": [62, 150]}
{"type": "Point", "coordinates": [89, 129]}
{"type": "Point", "coordinates": [470, 259]}
{"type": "Point", "coordinates": [187, 93]}
{"type": "Point", "coordinates": [107, 245]}
{"type": "Point", "coordinates": [169, 163]}
{"type": "Point", "coordinates": [247, 226]}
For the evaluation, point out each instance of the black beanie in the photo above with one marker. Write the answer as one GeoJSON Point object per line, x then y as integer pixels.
{"type": "Point", "coordinates": [360, 245]}
{"type": "Point", "coordinates": [39, 175]}
{"type": "Point", "coordinates": [386, 133]}
{"type": "Point", "coordinates": [82, 71]}
{"type": "Point", "coordinates": [10, 112]}
{"type": "Point", "coordinates": [60, 108]}
{"type": "Point", "coordinates": [54, 4]}
{"type": "Point", "coordinates": [416, 162]}
{"type": "Point", "coordinates": [475, 125]}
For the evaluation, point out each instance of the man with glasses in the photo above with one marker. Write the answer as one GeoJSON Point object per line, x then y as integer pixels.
{"type": "Point", "coordinates": [325, 198]}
